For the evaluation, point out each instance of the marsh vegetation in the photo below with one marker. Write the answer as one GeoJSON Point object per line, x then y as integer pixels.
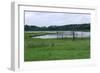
{"type": "Point", "coordinates": [37, 49]}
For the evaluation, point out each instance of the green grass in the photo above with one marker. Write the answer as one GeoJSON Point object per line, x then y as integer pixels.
{"type": "Point", "coordinates": [55, 49]}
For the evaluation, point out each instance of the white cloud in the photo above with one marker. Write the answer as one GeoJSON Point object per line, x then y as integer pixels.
{"type": "Point", "coordinates": [47, 18]}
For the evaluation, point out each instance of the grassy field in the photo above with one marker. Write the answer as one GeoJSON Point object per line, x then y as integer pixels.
{"type": "Point", "coordinates": [54, 49]}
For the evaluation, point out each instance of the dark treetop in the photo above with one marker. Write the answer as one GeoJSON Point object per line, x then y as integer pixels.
{"type": "Point", "coordinates": [70, 27]}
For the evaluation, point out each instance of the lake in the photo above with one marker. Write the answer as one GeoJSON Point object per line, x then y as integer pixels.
{"type": "Point", "coordinates": [64, 34]}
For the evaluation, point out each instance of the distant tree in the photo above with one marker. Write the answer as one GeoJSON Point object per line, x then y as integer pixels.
{"type": "Point", "coordinates": [26, 27]}
{"type": "Point", "coordinates": [43, 28]}
{"type": "Point", "coordinates": [70, 27]}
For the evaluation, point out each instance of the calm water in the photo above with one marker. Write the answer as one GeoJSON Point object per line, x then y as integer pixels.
{"type": "Point", "coordinates": [64, 34]}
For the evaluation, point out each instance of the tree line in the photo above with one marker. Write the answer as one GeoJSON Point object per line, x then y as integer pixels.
{"type": "Point", "coordinates": [70, 27]}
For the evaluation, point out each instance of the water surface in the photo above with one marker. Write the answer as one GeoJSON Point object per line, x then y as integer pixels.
{"type": "Point", "coordinates": [64, 34]}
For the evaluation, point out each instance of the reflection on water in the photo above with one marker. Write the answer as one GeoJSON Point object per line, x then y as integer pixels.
{"type": "Point", "coordinates": [64, 34]}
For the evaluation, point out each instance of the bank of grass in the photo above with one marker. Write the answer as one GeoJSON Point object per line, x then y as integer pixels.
{"type": "Point", "coordinates": [55, 49]}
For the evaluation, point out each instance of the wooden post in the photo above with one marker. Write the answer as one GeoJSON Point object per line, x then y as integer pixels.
{"type": "Point", "coordinates": [73, 35]}
{"type": "Point", "coordinates": [73, 32]}
{"type": "Point", "coordinates": [57, 35]}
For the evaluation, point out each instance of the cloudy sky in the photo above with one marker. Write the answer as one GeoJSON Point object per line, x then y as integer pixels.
{"type": "Point", "coordinates": [48, 18]}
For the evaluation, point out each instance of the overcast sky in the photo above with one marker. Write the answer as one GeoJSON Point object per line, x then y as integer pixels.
{"type": "Point", "coordinates": [48, 18]}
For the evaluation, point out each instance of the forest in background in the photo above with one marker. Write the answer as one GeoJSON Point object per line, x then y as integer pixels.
{"type": "Point", "coordinates": [70, 27]}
